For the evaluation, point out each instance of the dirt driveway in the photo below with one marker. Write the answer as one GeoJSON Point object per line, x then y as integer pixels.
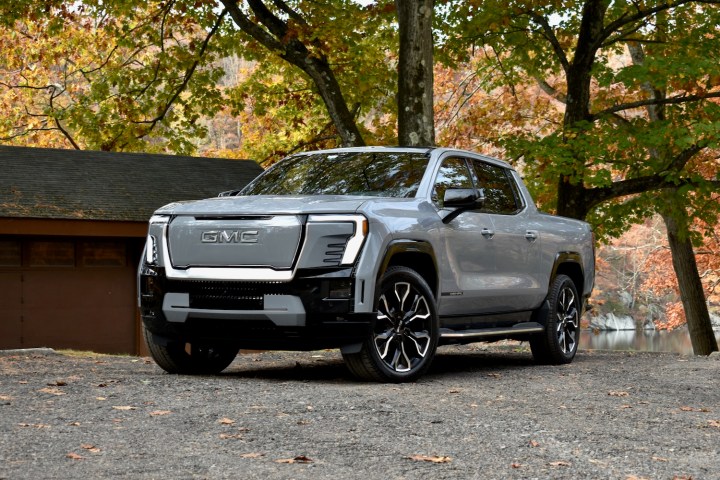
{"type": "Point", "coordinates": [482, 412]}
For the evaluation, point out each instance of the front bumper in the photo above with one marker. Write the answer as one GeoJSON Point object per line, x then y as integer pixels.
{"type": "Point", "coordinates": [314, 310]}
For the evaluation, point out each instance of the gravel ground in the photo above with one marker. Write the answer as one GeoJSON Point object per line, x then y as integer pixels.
{"type": "Point", "coordinates": [482, 412]}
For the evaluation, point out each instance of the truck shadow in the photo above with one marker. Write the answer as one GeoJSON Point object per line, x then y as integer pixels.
{"type": "Point", "coordinates": [303, 366]}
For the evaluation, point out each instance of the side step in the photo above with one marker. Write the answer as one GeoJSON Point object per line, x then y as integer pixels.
{"type": "Point", "coordinates": [517, 329]}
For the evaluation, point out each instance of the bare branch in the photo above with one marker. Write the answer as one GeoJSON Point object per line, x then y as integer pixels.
{"type": "Point", "coordinates": [679, 99]}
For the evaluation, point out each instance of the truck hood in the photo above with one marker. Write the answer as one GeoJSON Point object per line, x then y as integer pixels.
{"type": "Point", "coordinates": [266, 205]}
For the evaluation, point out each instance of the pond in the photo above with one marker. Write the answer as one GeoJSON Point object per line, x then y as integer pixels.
{"type": "Point", "coordinates": [676, 341]}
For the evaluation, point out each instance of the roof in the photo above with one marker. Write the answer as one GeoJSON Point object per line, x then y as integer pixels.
{"type": "Point", "coordinates": [80, 184]}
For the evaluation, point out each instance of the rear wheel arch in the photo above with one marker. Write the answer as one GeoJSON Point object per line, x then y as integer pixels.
{"type": "Point", "coordinates": [569, 264]}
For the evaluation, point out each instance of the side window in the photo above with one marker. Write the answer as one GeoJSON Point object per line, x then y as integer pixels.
{"type": "Point", "coordinates": [453, 173]}
{"type": "Point", "coordinates": [500, 195]}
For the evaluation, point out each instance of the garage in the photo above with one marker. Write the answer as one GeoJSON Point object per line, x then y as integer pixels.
{"type": "Point", "coordinates": [68, 292]}
{"type": "Point", "coordinates": [72, 229]}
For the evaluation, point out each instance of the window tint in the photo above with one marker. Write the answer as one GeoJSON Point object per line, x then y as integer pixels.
{"type": "Point", "coordinates": [499, 193]}
{"type": "Point", "coordinates": [453, 173]}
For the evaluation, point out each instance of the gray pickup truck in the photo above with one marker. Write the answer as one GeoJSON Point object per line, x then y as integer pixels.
{"type": "Point", "coordinates": [385, 253]}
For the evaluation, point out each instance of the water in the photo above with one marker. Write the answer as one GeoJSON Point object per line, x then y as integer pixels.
{"type": "Point", "coordinates": [677, 341]}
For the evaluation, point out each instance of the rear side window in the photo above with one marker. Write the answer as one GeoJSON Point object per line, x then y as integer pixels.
{"type": "Point", "coordinates": [500, 192]}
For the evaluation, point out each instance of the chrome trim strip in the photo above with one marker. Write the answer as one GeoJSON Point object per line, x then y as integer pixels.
{"type": "Point", "coordinates": [491, 332]}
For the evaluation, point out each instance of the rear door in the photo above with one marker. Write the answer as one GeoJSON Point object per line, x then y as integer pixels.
{"type": "Point", "coordinates": [516, 285]}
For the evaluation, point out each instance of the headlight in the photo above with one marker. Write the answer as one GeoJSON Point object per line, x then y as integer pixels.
{"type": "Point", "coordinates": [357, 238]}
{"type": "Point", "coordinates": [159, 219]}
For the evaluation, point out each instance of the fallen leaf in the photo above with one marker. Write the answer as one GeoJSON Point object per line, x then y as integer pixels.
{"type": "Point", "coordinates": [660, 459]}
{"type": "Point", "coordinates": [159, 413]}
{"type": "Point", "coordinates": [226, 421]}
{"type": "Point", "coordinates": [560, 463]}
{"type": "Point", "coordinates": [516, 465]}
{"type": "Point", "coordinates": [298, 459]}
{"type": "Point", "coordinates": [102, 385]}
{"type": "Point", "coordinates": [494, 375]}
{"type": "Point", "coordinates": [454, 390]}
{"type": "Point", "coordinates": [51, 391]}
{"type": "Point", "coordinates": [625, 406]}
{"type": "Point", "coordinates": [618, 394]}
{"type": "Point", "coordinates": [534, 444]}
{"type": "Point", "coordinates": [74, 456]}
{"type": "Point", "coordinates": [6, 398]}
{"type": "Point", "coordinates": [310, 408]}
{"type": "Point", "coordinates": [303, 422]}
{"type": "Point", "coordinates": [102, 399]}
{"type": "Point", "coordinates": [58, 383]}
{"type": "Point", "coordinates": [252, 455]}
{"type": "Point", "coordinates": [693, 409]}
{"type": "Point", "coordinates": [90, 448]}
{"type": "Point", "coordinates": [74, 424]}
{"type": "Point", "coordinates": [430, 458]}
{"type": "Point", "coordinates": [34, 425]}
{"type": "Point", "coordinates": [124, 407]}
{"type": "Point", "coordinates": [714, 423]}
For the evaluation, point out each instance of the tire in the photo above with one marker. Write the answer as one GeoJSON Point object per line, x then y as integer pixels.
{"type": "Point", "coordinates": [190, 358]}
{"type": "Point", "coordinates": [405, 336]}
{"type": "Point", "coordinates": [558, 344]}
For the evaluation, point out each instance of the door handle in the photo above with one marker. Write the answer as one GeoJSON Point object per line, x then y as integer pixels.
{"type": "Point", "coordinates": [531, 235]}
{"type": "Point", "coordinates": [487, 233]}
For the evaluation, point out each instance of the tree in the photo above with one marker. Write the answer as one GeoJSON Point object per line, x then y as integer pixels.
{"type": "Point", "coordinates": [602, 157]}
{"type": "Point", "coordinates": [108, 75]}
{"type": "Point", "coordinates": [416, 125]}
{"type": "Point", "coordinates": [294, 40]}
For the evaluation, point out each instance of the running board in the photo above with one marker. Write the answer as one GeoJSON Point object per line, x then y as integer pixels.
{"type": "Point", "coordinates": [518, 329]}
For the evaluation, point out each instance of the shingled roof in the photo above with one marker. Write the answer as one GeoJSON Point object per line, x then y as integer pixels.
{"type": "Point", "coordinates": [77, 184]}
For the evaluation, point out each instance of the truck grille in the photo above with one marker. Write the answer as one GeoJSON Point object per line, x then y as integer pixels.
{"type": "Point", "coordinates": [213, 295]}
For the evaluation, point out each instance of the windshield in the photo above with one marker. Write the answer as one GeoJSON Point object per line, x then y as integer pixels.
{"type": "Point", "coordinates": [385, 174]}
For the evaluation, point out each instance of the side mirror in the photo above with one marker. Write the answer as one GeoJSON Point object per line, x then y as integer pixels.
{"type": "Point", "coordinates": [229, 193]}
{"type": "Point", "coordinates": [462, 199]}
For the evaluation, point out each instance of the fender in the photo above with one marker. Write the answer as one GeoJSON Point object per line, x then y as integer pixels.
{"type": "Point", "coordinates": [396, 247]}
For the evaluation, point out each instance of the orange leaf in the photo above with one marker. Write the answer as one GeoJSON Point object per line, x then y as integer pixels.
{"type": "Point", "coordinates": [90, 448]}
{"type": "Point", "coordinates": [298, 459]}
{"type": "Point", "coordinates": [430, 458]}
{"type": "Point", "coordinates": [74, 456]}
{"type": "Point", "coordinates": [534, 444]}
{"type": "Point", "coordinates": [226, 421]}
{"type": "Point", "coordinates": [619, 394]}
{"type": "Point", "coordinates": [158, 413]}
{"type": "Point", "coordinates": [252, 455]}
{"type": "Point", "coordinates": [124, 407]}
{"type": "Point", "coordinates": [52, 391]}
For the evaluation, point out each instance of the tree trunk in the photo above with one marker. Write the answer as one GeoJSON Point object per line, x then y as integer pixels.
{"type": "Point", "coordinates": [691, 289]}
{"type": "Point", "coordinates": [416, 124]}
